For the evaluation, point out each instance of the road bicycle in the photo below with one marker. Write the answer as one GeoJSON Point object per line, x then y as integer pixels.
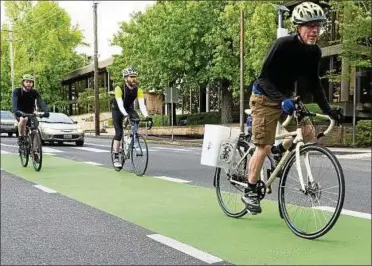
{"type": "Point", "coordinates": [133, 148]}
{"type": "Point", "coordinates": [289, 171]}
{"type": "Point", "coordinates": [31, 145]}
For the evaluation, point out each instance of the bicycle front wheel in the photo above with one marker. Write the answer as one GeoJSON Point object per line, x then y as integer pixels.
{"type": "Point", "coordinates": [312, 212]}
{"type": "Point", "coordinates": [36, 151]}
{"type": "Point", "coordinates": [139, 155]}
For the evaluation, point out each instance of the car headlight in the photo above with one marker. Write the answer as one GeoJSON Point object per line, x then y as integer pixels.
{"type": "Point", "coordinates": [79, 131]}
{"type": "Point", "coordinates": [15, 123]}
{"type": "Point", "coordinates": [49, 130]}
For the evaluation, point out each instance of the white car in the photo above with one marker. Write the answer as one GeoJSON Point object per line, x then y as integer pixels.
{"type": "Point", "coordinates": [60, 128]}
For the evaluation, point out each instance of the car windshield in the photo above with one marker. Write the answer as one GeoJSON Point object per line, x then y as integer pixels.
{"type": "Point", "coordinates": [57, 118]}
{"type": "Point", "coordinates": [6, 115]}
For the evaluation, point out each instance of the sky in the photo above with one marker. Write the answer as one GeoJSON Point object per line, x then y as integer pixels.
{"type": "Point", "coordinates": [109, 15]}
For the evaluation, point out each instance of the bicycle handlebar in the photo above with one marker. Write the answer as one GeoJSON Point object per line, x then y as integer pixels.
{"type": "Point", "coordinates": [143, 120]}
{"type": "Point", "coordinates": [39, 114]}
{"type": "Point", "coordinates": [326, 132]}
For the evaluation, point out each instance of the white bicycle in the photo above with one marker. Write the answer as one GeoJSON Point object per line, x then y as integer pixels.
{"type": "Point", "coordinates": [289, 170]}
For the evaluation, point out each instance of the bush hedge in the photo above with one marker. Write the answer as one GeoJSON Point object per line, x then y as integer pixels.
{"type": "Point", "coordinates": [363, 137]}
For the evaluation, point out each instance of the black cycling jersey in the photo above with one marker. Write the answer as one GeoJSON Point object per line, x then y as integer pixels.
{"type": "Point", "coordinates": [25, 101]}
{"type": "Point", "coordinates": [127, 95]}
{"type": "Point", "coordinates": [288, 60]}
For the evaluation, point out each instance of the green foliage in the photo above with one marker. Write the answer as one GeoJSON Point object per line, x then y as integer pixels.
{"type": "Point", "coordinates": [86, 100]}
{"type": "Point", "coordinates": [44, 46]}
{"type": "Point", "coordinates": [364, 133]}
{"type": "Point", "coordinates": [355, 30]}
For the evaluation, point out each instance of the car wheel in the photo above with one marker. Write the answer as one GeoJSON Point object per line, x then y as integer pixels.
{"type": "Point", "coordinates": [17, 134]}
{"type": "Point", "coordinates": [79, 143]}
{"type": "Point", "coordinates": [10, 134]}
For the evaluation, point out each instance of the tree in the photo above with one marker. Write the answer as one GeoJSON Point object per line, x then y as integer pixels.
{"type": "Point", "coordinates": [45, 43]}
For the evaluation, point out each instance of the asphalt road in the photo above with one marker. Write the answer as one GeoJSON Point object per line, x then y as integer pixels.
{"type": "Point", "coordinates": [41, 228]}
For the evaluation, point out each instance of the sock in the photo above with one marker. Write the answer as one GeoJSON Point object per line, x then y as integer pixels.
{"type": "Point", "coordinates": [276, 149]}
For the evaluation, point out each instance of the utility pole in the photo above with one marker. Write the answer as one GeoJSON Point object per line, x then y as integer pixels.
{"type": "Point", "coordinates": [241, 70]}
{"type": "Point", "coordinates": [96, 89]}
{"type": "Point", "coordinates": [11, 53]}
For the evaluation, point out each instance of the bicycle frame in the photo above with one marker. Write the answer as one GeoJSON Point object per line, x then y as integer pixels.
{"type": "Point", "coordinates": [298, 142]}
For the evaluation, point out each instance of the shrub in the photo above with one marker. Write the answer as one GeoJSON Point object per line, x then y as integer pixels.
{"type": "Point", "coordinates": [364, 133]}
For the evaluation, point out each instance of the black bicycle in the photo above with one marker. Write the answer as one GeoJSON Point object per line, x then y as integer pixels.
{"type": "Point", "coordinates": [31, 145]}
{"type": "Point", "coordinates": [135, 148]}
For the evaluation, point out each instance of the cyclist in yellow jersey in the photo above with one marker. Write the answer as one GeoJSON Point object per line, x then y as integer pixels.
{"type": "Point", "coordinates": [122, 106]}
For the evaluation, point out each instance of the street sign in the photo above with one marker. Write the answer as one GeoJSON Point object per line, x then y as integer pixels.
{"type": "Point", "coordinates": [171, 95]}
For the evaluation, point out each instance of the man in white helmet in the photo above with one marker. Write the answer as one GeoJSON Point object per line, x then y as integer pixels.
{"type": "Point", "coordinates": [122, 106]}
{"type": "Point", "coordinates": [290, 58]}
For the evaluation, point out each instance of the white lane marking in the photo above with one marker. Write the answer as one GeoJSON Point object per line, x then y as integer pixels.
{"type": "Point", "coordinates": [99, 145]}
{"type": "Point", "coordinates": [345, 212]}
{"type": "Point", "coordinates": [189, 250]}
{"type": "Point", "coordinates": [354, 156]}
{"type": "Point", "coordinates": [47, 190]}
{"type": "Point", "coordinates": [51, 150]}
{"type": "Point", "coordinates": [108, 146]}
{"type": "Point", "coordinates": [92, 149]}
{"type": "Point", "coordinates": [171, 149]}
{"type": "Point", "coordinates": [8, 145]}
{"type": "Point", "coordinates": [93, 163]}
{"type": "Point", "coordinates": [5, 152]}
{"type": "Point", "coordinates": [177, 180]}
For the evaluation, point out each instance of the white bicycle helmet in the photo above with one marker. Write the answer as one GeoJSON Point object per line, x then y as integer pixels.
{"type": "Point", "coordinates": [130, 71]}
{"type": "Point", "coordinates": [307, 12]}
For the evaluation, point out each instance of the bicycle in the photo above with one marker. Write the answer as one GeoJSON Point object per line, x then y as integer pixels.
{"type": "Point", "coordinates": [31, 146]}
{"type": "Point", "coordinates": [129, 149]}
{"type": "Point", "coordinates": [311, 189]}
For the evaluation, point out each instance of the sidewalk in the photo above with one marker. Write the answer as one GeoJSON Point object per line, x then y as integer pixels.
{"type": "Point", "coordinates": [183, 141]}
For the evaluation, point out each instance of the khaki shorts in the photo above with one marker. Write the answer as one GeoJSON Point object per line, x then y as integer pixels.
{"type": "Point", "coordinates": [265, 115]}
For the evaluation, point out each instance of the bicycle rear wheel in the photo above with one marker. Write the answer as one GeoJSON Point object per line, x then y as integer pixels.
{"type": "Point", "coordinates": [139, 153]}
{"type": "Point", "coordinates": [229, 194]}
{"type": "Point", "coordinates": [298, 214]}
{"type": "Point", "coordinates": [24, 151]}
{"type": "Point", "coordinates": [37, 151]}
{"type": "Point", "coordinates": [121, 155]}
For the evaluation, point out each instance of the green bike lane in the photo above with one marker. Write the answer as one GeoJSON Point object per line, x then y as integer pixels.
{"type": "Point", "coordinates": [191, 215]}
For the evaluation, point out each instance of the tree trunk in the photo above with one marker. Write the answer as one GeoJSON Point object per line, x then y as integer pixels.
{"type": "Point", "coordinates": [202, 98]}
{"type": "Point", "coordinates": [226, 102]}
{"type": "Point", "coordinates": [345, 74]}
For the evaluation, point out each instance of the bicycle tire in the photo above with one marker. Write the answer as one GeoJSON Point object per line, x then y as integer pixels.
{"type": "Point", "coordinates": [132, 155]}
{"type": "Point", "coordinates": [37, 165]}
{"type": "Point", "coordinates": [24, 152]}
{"type": "Point", "coordinates": [240, 212]}
{"type": "Point", "coordinates": [282, 205]}
{"type": "Point", "coordinates": [121, 153]}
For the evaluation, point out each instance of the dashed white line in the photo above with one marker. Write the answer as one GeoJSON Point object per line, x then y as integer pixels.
{"type": "Point", "coordinates": [51, 150]}
{"type": "Point", "coordinates": [93, 163]}
{"type": "Point", "coordinates": [92, 149]}
{"type": "Point", "coordinates": [355, 156]}
{"type": "Point", "coordinates": [189, 250]}
{"type": "Point", "coordinates": [172, 179]}
{"type": "Point", "coordinates": [345, 212]}
{"type": "Point", "coordinates": [46, 189]}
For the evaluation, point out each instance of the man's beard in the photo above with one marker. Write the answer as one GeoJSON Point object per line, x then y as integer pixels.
{"type": "Point", "coordinates": [132, 84]}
